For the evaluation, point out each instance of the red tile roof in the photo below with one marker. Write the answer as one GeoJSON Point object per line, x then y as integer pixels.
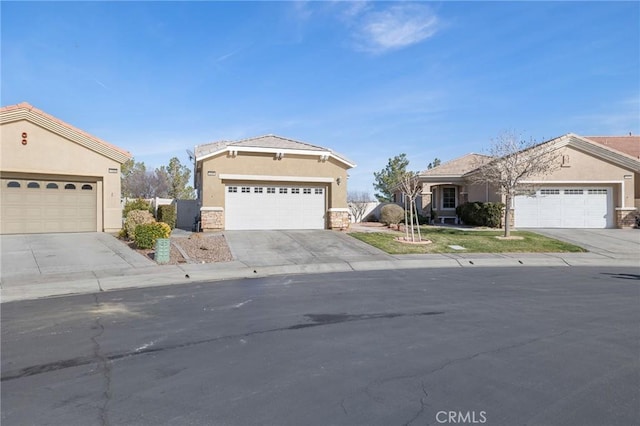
{"type": "Point", "coordinates": [629, 145]}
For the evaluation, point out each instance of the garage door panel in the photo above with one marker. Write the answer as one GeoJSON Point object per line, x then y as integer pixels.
{"type": "Point", "coordinates": [565, 208]}
{"type": "Point", "coordinates": [46, 207]}
{"type": "Point", "coordinates": [274, 207]}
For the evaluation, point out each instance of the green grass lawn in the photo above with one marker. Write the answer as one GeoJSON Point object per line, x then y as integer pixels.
{"type": "Point", "coordinates": [473, 241]}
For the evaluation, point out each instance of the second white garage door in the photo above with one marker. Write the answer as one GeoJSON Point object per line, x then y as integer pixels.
{"type": "Point", "coordinates": [565, 208]}
{"type": "Point", "coordinates": [274, 207]}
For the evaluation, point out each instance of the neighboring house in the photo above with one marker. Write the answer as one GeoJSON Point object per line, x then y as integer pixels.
{"type": "Point", "coordinates": [271, 182]}
{"type": "Point", "coordinates": [55, 177]}
{"type": "Point", "coordinates": [597, 185]}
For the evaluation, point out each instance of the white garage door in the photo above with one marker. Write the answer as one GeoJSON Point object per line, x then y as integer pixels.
{"type": "Point", "coordinates": [30, 206]}
{"type": "Point", "coordinates": [565, 208]}
{"type": "Point", "coordinates": [274, 207]}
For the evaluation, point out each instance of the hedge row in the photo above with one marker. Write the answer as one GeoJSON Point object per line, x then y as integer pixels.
{"type": "Point", "coordinates": [481, 214]}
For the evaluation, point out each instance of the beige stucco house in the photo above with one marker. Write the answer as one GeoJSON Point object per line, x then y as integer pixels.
{"type": "Point", "coordinates": [597, 185]}
{"type": "Point", "coordinates": [55, 177]}
{"type": "Point", "coordinates": [271, 182]}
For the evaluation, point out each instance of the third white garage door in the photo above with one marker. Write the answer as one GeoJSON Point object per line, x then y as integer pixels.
{"type": "Point", "coordinates": [274, 207]}
{"type": "Point", "coordinates": [565, 208]}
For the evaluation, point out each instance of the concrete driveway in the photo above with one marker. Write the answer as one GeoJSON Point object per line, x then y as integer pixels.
{"type": "Point", "coordinates": [45, 254]}
{"type": "Point", "coordinates": [270, 248]}
{"type": "Point", "coordinates": [614, 243]}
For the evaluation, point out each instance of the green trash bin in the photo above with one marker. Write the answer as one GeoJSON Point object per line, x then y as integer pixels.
{"type": "Point", "coordinates": [163, 250]}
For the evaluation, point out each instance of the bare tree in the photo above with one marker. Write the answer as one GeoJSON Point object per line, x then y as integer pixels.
{"type": "Point", "coordinates": [411, 188]}
{"type": "Point", "coordinates": [514, 161]}
{"type": "Point", "coordinates": [138, 182]}
{"type": "Point", "coordinates": [358, 202]}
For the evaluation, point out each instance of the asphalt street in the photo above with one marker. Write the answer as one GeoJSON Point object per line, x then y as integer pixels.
{"type": "Point", "coordinates": [496, 346]}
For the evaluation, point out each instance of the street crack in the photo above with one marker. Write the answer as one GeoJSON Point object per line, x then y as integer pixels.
{"type": "Point", "coordinates": [318, 320]}
{"type": "Point", "coordinates": [104, 365]}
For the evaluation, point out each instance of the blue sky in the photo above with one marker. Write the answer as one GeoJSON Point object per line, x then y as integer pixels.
{"type": "Point", "coordinates": [368, 79]}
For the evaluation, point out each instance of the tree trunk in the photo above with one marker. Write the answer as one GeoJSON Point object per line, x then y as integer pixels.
{"type": "Point", "coordinates": [415, 206]}
{"type": "Point", "coordinates": [413, 235]}
{"type": "Point", "coordinates": [507, 209]}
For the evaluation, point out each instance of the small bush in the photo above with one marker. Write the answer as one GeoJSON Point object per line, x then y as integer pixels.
{"type": "Point", "coordinates": [138, 204]}
{"type": "Point", "coordinates": [481, 214]}
{"type": "Point", "coordinates": [371, 218]}
{"type": "Point", "coordinates": [168, 214]}
{"type": "Point", "coordinates": [135, 218]}
{"type": "Point", "coordinates": [391, 214]}
{"type": "Point", "coordinates": [148, 233]}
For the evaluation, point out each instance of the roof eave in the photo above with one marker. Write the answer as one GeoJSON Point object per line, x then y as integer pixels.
{"type": "Point", "coordinates": [40, 118]}
{"type": "Point", "coordinates": [285, 151]}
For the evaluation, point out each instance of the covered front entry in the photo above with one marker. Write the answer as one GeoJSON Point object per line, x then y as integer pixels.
{"type": "Point", "coordinates": [573, 207]}
{"type": "Point", "coordinates": [30, 206]}
{"type": "Point", "coordinates": [265, 207]}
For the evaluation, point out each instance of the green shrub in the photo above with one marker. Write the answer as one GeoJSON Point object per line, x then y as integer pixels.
{"type": "Point", "coordinates": [391, 214]}
{"type": "Point", "coordinates": [148, 233]}
{"type": "Point", "coordinates": [371, 218]}
{"type": "Point", "coordinates": [135, 218]}
{"type": "Point", "coordinates": [168, 214]}
{"type": "Point", "coordinates": [138, 204]}
{"type": "Point", "coordinates": [481, 214]}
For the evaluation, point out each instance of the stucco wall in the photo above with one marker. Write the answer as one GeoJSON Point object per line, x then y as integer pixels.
{"type": "Point", "coordinates": [585, 168]}
{"type": "Point", "coordinates": [47, 153]}
{"type": "Point", "coordinates": [266, 165]}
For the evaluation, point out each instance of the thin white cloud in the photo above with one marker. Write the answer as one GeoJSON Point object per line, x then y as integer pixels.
{"type": "Point", "coordinates": [616, 118]}
{"type": "Point", "coordinates": [397, 27]}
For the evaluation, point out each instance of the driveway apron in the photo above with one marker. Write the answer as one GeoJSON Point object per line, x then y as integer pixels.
{"type": "Point", "coordinates": [614, 243]}
{"type": "Point", "coordinates": [269, 248]}
{"type": "Point", "coordinates": [42, 254]}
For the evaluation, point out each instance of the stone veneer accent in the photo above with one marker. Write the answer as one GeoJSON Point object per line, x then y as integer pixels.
{"type": "Point", "coordinates": [211, 218]}
{"type": "Point", "coordinates": [339, 219]}
{"type": "Point", "coordinates": [626, 217]}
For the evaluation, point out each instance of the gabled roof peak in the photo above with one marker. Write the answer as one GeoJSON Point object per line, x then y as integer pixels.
{"type": "Point", "coordinates": [267, 143]}
{"type": "Point", "coordinates": [26, 111]}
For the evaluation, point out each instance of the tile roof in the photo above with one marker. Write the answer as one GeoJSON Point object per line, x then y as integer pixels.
{"type": "Point", "coordinates": [629, 145]}
{"type": "Point", "coordinates": [458, 166]}
{"type": "Point", "coordinates": [269, 142]}
{"type": "Point", "coordinates": [6, 111]}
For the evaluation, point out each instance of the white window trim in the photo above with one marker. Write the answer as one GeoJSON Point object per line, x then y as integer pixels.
{"type": "Point", "coordinates": [455, 194]}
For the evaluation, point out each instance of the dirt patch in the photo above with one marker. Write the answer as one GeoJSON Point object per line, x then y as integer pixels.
{"type": "Point", "coordinates": [403, 240]}
{"type": "Point", "coordinates": [195, 248]}
{"type": "Point", "coordinates": [509, 238]}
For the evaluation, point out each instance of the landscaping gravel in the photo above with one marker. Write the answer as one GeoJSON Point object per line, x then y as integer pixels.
{"type": "Point", "coordinates": [195, 248]}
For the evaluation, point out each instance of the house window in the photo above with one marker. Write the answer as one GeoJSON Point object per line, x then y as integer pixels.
{"type": "Point", "coordinates": [448, 198]}
{"type": "Point", "coordinates": [52, 185]}
{"type": "Point", "coordinates": [283, 190]}
{"type": "Point", "coordinates": [257, 190]}
{"type": "Point", "coordinates": [549, 191]}
{"type": "Point", "coordinates": [573, 192]}
{"type": "Point", "coordinates": [246, 189]}
{"type": "Point", "coordinates": [306, 191]}
{"type": "Point", "coordinates": [34, 185]}
{"type": "Point", "coordinates": [87, 187]}
{"type": "Point", "coordinates": [13, 184]}
{"type": "Point", "coordinates": [69, 186]}
{"type": "Point", "coordinates": [233, 189]}
{"type": "Point", "coordinates": [319, 191]}
{"type": "Point", "coordinates": [295, 190]}
{"type": "Point", "coordinates": [597, 191]}
{"type": "Point", "coordinates": [271, 190]}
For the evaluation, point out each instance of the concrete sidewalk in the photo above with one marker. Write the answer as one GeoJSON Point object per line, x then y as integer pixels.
{"type": "Point", "coordinates": [131, 270]}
